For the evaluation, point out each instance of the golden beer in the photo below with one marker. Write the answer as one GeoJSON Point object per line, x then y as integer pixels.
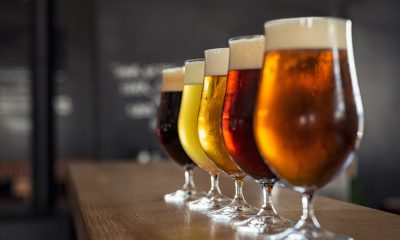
{"type": "Point", "coordinates": [308, 108]}
{"type": "Point", "coordinates": [309, 116]}
{"type": "Point", "coordinates": [210, 122]}
{"type": "Point", "coordinates": [187, 128]}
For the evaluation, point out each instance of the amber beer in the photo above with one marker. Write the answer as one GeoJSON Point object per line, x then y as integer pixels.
{"type": "Point", "coordinates": [210, 113]}
{"type": "Point", "coordinates": [246, 56]}
{"type": "Point", "coordinates": [307, 114]}
{"type": "Point", "coordinates": [167, 122]}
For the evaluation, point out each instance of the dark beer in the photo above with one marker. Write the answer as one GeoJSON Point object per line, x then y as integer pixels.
{"type": "Point", "coordinates": [237, 123]}
{"type": "Point", "coordinates": [167, 122]}
{"type": "Point", "coordinates": [306, 118]}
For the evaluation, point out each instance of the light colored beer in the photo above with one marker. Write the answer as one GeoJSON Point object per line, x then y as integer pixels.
{"type": "Point", "coordinates": [187, 122]}
{"type": "Point", "coordinates": [307, 119]}
{"type": "Point", "coordinates": [210, 114]}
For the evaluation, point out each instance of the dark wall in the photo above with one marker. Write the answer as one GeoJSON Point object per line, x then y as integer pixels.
{"type": "Point", "coordinates": [75, 103]}
{"type": "Point", "coordinates": [74, 89]}
{"type": "Point", "coordinates": [14, 78]}
{"type": "Point", "coordinates": [376, 45]}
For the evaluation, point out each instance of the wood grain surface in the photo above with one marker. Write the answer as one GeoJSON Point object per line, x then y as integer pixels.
{"type": "Point", "coordinates": [123, 200]}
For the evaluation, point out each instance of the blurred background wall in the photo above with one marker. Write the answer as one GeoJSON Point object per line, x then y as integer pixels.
{"type": "Point", "coordinates": [109, 56]}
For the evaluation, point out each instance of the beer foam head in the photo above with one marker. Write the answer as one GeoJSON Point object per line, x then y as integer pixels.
{"type": "Point", "coordinates": [246, 52]}
{"type": "Point", "coordinates": [217, 61]}
{"type": "Point", "coordinates": [172, 79]}
{"type": "Point", "coordinates": [307, 33]}
{"type": "Point", "coordinates": [194, 71]}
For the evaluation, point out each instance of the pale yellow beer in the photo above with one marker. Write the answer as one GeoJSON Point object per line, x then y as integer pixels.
{"type": "Point", "coordinates": [210, 114]}
{"type": "Point", "coordinates": [187, 121]}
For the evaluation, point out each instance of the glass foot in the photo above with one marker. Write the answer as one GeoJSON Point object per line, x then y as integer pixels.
{"type": "Point", "coordinates": [264, 223]}
{"type": "Point", "coordinates": [234, 212]}
{"type": "Point", "coordinates": [308, 227]}
{"type": "Point", "coordinates": [209, 202]}
{"type": "Point", "coordinates": [181, 196]}
{"type": "Point", "coordinates": [308, 233]}
{"type": "Point", "coordinates": [267, 221]}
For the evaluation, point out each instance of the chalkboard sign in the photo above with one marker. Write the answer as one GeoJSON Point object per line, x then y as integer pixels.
{"type": "Point", "coordinates": [131, 98]}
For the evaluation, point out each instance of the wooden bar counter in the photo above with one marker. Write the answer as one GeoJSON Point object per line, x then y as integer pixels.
{"type": "Point", "coordinates": [123, 200]}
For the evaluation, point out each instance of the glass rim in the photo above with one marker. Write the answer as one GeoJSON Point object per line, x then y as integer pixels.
{"type": "Point", "coordinates": [281, 20]}
{"type": "Point", "coordinates": [233, 39]}
{"type": "Point", "coordinates": [172, 69]}
{"type": "Point", "coordinates": [194, 60]}
{"type": "Point", "coordinates": [215, 49]}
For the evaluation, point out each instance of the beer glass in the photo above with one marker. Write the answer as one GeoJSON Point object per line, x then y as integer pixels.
{"type": "Point", "coordinates": [309, 116]}
{"type": "Point", "coordinates": [189, 137]}
{"type": "Point", "coordinates": [210, 132]}
{"type": "Point", "coordinates": [167, 132]}
{"type": "Point", "coordinates": [245, 61]}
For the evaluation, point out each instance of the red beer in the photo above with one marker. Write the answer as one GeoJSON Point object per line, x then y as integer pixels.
{"type": "Point", "coordinates": [245, 61]}
{"type": "Point", "coordinates": [237, 123]}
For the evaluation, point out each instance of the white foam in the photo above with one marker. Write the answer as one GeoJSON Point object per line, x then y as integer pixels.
{"type": "Point", "coordinates": [246, 52]}
{"type": "Point", "coordinates": [307, 33]}
{"type": "Point", "coordinates": [172, 79]}
{"type": "Point", "coordinates": [217, 61]}
{"type": "Point", "coordinates": [194, 71]}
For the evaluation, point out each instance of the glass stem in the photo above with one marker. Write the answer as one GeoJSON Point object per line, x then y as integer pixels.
{"type": "Point", "coordinates": [214, 189]}
{"type": "Point", "coordinates": [189, 182]}
{"type": "Point", "coordinates": [308, 218]}
{"type": "Point", "coordinates": [267, 206]}
{"type": "Point", "coordinates": [239, 190]}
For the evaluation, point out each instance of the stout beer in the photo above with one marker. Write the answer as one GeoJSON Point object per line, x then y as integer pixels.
{"type": "Point", "coordinates": [167, 122]}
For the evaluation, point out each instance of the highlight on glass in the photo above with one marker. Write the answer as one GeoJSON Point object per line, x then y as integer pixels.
{"type": "Point", "coordinates": [167, 132]}
{"type": "Point", "coordinates": [189, 137]}
{"type": "Point", "coordinates": [309, 115]}
{"type": "Point", "coordinates": [210, 133]}
{"type": "Point", "coordinates": [245, 62]}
